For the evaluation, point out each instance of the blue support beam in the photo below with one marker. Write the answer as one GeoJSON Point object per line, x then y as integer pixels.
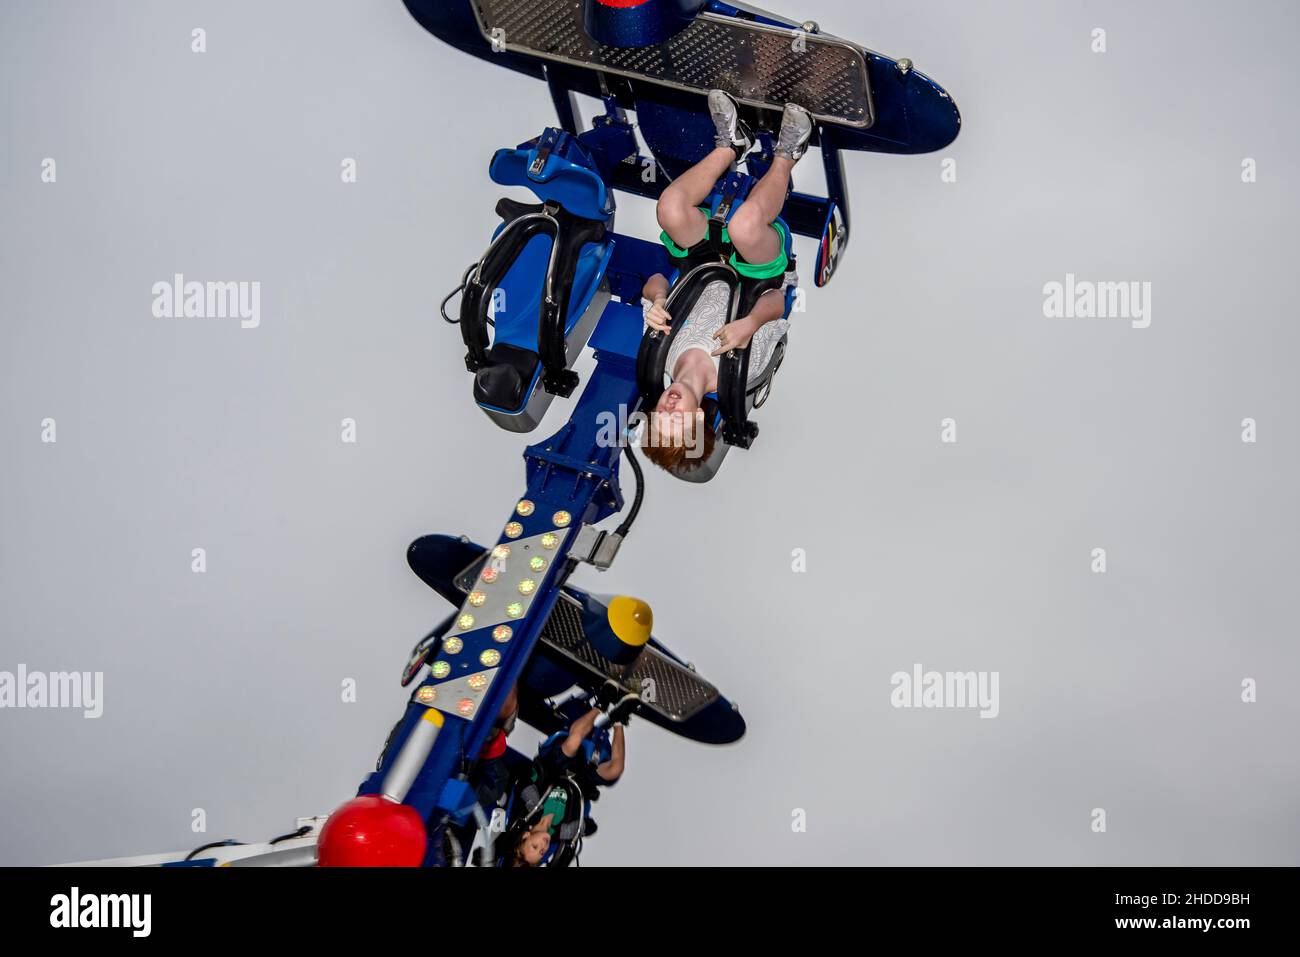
{"type": "Point", "coordinates": [573, 473]}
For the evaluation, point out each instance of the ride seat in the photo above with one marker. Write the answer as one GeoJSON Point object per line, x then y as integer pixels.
{"type": "Point", "coordinates": [542, 278]}
{"type": "Point", "coordinates": [726, 410]}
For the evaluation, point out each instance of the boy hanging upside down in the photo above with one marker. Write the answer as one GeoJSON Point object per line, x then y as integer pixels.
{"type": "Point", "coordinates": [677, 429]}
{"type": "Point", "coordinates": [595, 759]}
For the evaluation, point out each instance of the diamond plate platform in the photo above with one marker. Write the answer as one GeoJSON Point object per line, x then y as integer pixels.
{"type": "Point", "coordinates": [679, 692]}
{"type": "Point", "coordinates": [757, 64]}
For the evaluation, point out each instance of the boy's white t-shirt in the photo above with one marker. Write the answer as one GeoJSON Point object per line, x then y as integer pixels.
{"type": "Point", "coordinates": [710, 315]}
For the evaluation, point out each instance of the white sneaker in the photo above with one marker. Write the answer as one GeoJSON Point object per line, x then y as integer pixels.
{"type": "Point", "coordinates": [796, 131]}
{"type": "Point", "coordinates": [732, 130]}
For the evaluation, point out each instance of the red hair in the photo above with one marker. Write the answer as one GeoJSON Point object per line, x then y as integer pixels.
{"type": "Point", "coordinates": [672, 457]}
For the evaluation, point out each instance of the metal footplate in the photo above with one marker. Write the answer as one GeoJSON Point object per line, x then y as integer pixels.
{"type": "Point", "coordinates": [678, 693]}
{"type": "Point", "coordinates": [761, 65]}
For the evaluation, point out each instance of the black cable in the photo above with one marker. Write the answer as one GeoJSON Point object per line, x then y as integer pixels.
{"type": "Point", "coordinates": [207, 847]}
{"type": "Point", "coordinates": [301, 832]}
{"type": "Point", "coordinates": [569, 565]}
{"type": "Point", "coordinates": [623, 529]}
{"type": "Point", "coordinates": [464, 279]}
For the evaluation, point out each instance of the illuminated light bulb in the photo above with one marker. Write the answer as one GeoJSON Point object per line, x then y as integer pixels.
{"type": "Point", "coordinates": [426, 694]}
{"type": "Point", "coordinates": [476, 598]}
{"type": "Point", "coordinates": [537, 563]}
{"type": "Point", "coordinates": [502, 633]}
{"type": "Point", "coordinates": [465, 706]}
{"type": "Point", "coordinates": [477, 682]}
{"type": "Point", "coordinates": [527, 586]}
{"type": "Point", "coordinates": [465, 621]}
{"type": "Point", "coordinates": [550, 540]}
{"type": "Point", "coordinates": [453, 646]}
{"type": "Point", "coordinates": [501, 552]}
{"type": "Point", "coordinates": [514, 609]}
{"type": "Point", "coordinates": [440, 669]}
{"type": "Point", "coordinates": [525, 507]}
{"type": "Point", "coordinates": [561, 518]}
{"type": "Point", "coordinates": [514, 530]}
{"type": "Point", "coordinates": [490, 658]}
{"type": "Point", "coordinates": [490, 574]}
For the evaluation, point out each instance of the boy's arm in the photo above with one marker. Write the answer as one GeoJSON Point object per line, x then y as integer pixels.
{"type": "Point", "coordinates": [656, 288]}
{"type": "Point", "coordinates": [612, 769]}
{"type": "Point", "coordinates": [770, 307]}
{"type": "Point", "coordinates": [736, 335]}
{"type": "Point", "coordinates": [656, 291]}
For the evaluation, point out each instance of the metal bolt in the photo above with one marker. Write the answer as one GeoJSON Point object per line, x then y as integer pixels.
{"type": "Point", "coordinates": [904, 66]}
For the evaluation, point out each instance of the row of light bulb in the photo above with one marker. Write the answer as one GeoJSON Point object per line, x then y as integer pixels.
{"type": "Point", "coordinates": [490, 658]}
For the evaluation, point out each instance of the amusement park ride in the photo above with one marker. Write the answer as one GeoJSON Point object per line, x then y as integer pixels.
{"type": "Point", "coordinates": [571, 281]}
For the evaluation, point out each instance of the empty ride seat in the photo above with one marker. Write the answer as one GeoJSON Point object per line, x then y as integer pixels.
{"type": "Point", "coordinates": [541, 282]}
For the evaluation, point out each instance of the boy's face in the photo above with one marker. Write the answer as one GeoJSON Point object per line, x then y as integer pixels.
{"type": "Point", "coordinates": [535, 845]}
{"type": "Point", "coordinates": [678, 397]}
{"type": "Point", "coordinates": [673, 422]}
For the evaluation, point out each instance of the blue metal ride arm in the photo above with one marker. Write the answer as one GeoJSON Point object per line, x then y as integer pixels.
{"type": "Point", "coordinates": [572, 480]}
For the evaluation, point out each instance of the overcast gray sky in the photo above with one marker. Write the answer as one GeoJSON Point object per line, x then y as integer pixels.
{"type": "Point", "coordinates": [1119, 691]}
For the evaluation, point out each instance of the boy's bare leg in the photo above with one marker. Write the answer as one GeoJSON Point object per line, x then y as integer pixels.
{"type": "Point", "coordinates": [579, 730]}
{"type": "Point", "coordinates": [678, 209]}
{"type": "Point", "coordinates": [751, 227]}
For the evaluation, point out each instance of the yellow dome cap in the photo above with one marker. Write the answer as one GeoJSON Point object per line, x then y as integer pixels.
{"type": "Point", "coordinates": [631, 620]}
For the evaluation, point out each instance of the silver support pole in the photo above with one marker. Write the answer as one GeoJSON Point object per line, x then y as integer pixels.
{"type": "Point", "coordinates": [410, 760]}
